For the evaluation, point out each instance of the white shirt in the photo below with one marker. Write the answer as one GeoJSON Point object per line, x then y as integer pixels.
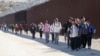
{"type": "Point", "coordinates": [40, 26]}
{"type": "Point", "coordinates": [52, 28]}
{"type": "Point", "coordinates": [73, 31]}
{"type": "Point", "coordinates": [57, 27]}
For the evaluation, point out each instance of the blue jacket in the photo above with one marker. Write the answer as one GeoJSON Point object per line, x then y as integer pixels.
{"type": "Point", "coordinates": [91, 29]}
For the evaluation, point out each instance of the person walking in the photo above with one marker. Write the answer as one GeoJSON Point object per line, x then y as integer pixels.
{"type": "Point", "coordinates": [5, 27]}
{"type": "Point", "coordinates": [20, 28]}
{"type": "Point", "coordinates": [40, 26]}
{"type": "Point", "coordinates": [78, 22]}
{"type": "Point", "coordinates": [73, 32]}
{"type": "Point", "coordinates": [16, 28]}
{"type": "Point", "coordinates": [90, 35]}
{"type": "Point", "coordinates": [84, 32]}
{"type": "Point", "coordinates": [52, 32]}
{"type": "Point", "coordinates": [26, 28]}
{"type": "Point", "coordinates": [46, 30]}
{"type": "Point", "coordinates": [12, 27]}
{"type": "Point", "coordinates": [66, 26]}
{"type": "Point", "coordinates": [57, 29]}
{"type": "Point", "coordinates": [33, 30]}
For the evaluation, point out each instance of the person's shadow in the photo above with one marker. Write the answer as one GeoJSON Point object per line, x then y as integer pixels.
{"type": "Point", "coordinates": [61, 47]}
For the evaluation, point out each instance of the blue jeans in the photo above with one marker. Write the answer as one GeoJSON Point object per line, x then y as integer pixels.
{"type": "Point", "coordinates": [47, 36]}
{"type": "Point", "coordinates": [56, 38]}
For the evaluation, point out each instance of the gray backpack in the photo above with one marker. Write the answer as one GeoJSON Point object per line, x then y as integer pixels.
{"type": "Point", "coordinates": [84, 29]}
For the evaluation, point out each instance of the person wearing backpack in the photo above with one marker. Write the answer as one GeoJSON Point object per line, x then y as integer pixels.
{"type": "Point", "coordinates": [78, 22]}
{"type": "Point", "coordinates": [33, 30]}
{"type": "Point", "coordinates": [66, 26]}
{"type": "Point", "coordinates": [83, 32]}
{"type": "Point", "coordinates": [90, 34]}
{"type": "Point", "coordinates": [40, 26]}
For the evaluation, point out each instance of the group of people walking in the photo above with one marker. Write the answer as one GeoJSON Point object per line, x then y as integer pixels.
{"type": "Point", "coordinates": [14, 27]}
{"type": "Point", "coordinates": [46, 28]}
{"type": "Point", "coordinates": [78, 32]}
{"type": "Point", "coordinates": [54, 29]}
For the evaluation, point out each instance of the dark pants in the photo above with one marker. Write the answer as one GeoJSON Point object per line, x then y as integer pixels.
{"type": "Point", "coordinates": [12, 30]}
{"type": "Point", "coordinates": [52, 34]}
{"type": "Point", "coordinates": [33, 34]}
{"type": "Point", "coordinates": [5, 28]}
{"type": "Point", "coordinates": [67, 38]}
{"type": "Point", "coordinates": [16, 31]}
{"type": "Point", "coordinates": [73, 43]}
{"type": "Point", "coordinates": [89, 40]}
{"type": "Point", "coordinates": [78, 42]}
{"type": "Point", "coordinates": [83, 40]}
{"type": "Point", "coordinates": [26, 30]}
{"type": "Point", "coordinates": [20, 31]}
{"type": "Point", "coordinates": [68, 41]}
{"type": "Point", "coordinates": [41, 32]}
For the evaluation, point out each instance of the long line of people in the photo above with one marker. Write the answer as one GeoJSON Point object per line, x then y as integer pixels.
{"type": "Point", "coordinates": [78, 32]}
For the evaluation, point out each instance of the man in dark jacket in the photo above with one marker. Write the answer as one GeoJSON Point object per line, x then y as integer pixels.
{"type": "Point", "coordinates": [84, 32]}
{"type": "Point", "coordinates": [66, 26]}
{"type": "Point", "coordinates": [33, 30]}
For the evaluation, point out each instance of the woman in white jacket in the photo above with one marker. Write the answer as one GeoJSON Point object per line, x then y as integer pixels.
{"type": "Point", "coordinates": [57, 28]}
{"type": "Point", "coordinates": [73, 32]}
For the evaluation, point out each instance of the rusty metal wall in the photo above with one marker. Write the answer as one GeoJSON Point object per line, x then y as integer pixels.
{"type": "Point", "coordinates": [8, 19]}
{"type": "Point", "coordinates": [20, 17]}
{"type": "Point", "coordinates": [64, 9]}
